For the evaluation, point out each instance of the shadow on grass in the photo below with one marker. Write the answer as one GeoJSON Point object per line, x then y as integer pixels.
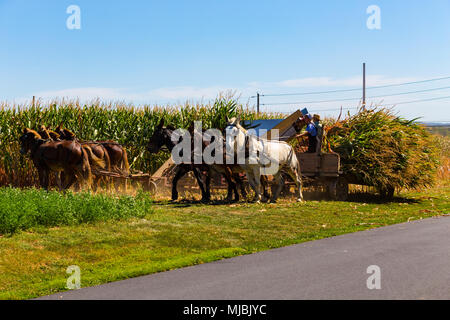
{"type": "Point", "coordinates": [374, 198]}
{"type": "Point", "coordinates": [185, 203]}
{"type": "Point", "coordinates": [357, 197]}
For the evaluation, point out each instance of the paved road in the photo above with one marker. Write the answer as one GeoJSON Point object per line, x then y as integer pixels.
{"type": "Point", "coordinates": [414, 260]}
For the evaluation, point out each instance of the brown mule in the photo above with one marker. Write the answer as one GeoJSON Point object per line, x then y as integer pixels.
{"type": "Point", "coordinates": [48, 155]}
{"type": "Point", "coordinates": [52, 135]}
{"type": "Point", "coordinates": [99, 158]}
{"type": "Point", "coordinates": [46, 133]}
{"type": "Point", "coordinates": [119, 160]}
{"type": "Point", "coordinates": [115, 155]}
{"type": "Point", "coordinates": [97, 154]}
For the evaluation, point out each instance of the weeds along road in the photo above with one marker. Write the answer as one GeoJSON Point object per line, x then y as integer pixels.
{"type": "Point", "coordinates": [413, 260]}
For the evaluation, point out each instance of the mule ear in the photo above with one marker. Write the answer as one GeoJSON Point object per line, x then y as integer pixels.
{"type": "Point", "coordinates": [161, 123]}
{"type": "Point", "coordinates": [69, 133]}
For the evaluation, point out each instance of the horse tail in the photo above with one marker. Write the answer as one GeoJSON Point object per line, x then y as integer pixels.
{"type": "Point", "coordinates": [125, 165]}
{"type": "Point", "coordinates": [107, 159]}
{"type": "Point", "coordinates": [298, 172]}
{"type": "Point", "coordinates": [93, 159]}
{"type": "Point", "coordinates": [108, 166]}
{"type": "Point", "coordinates": [85, 166]}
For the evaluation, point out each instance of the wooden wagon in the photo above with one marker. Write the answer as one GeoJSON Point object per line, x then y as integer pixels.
{"type": "Point", "coordinates": [320, 168]}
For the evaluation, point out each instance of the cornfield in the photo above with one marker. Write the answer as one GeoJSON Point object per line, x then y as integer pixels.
{"type": "Point", "coordinates": [376, 147]}
{"type": "Point", "coordinates": [128, 125]}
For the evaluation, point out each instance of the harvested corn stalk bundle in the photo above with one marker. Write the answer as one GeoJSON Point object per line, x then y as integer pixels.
{"type": "Point", "coordinates": [382, 150]}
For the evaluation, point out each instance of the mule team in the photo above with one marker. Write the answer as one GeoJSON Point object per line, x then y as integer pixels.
{"type": "Point", "coordinates": [73, 160]}
{"type": "Point", "coordinates": [61, 152]}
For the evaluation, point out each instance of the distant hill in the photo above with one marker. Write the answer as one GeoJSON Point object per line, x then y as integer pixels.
{"type": "Point", "coordinates": [441, 128]}
{"type": "Point", "coordinates": [436, 124]}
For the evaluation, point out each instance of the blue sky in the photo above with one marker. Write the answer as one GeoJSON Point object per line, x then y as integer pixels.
{"type": "Point", "coordinates": [171, 51]}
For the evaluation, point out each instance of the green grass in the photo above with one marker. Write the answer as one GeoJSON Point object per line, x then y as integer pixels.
{"type": "Point", "coordinates": [33, 262]}
{"type": "Point", "coordinates": [24, 209]}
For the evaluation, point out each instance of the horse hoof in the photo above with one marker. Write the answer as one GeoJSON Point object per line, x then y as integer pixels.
{"type": "Point", "coordinates": [300, 200]}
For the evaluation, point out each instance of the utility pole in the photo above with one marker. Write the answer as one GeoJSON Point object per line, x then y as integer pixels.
{"type": "Point", "coordinates": [364, 86]}
{"type": "Point", "coordinates": [257, 103]}
{"type": "Point", "coordinates": [34, 99]}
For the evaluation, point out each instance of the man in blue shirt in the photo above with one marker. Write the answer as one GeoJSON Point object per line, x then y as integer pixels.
{"type": "Point", "coordinates": [311, 132]}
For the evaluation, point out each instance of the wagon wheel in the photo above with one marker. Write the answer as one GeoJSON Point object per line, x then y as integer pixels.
{"type": "Point", "coordinates": [287, 183]}
{"type": "Point", "coordinates": [387, 193]}
{"type": "Point", "coordinates": [150, 186]}
{"type": "Point", "coordinates": [342, 189]}
{"type": "Point", "coordinates": [390, 192]}
{"type": "Point", "coordinates": [332, 187]}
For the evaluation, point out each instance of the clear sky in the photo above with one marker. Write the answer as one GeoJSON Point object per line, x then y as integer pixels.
{"type": "Point", "coordinates": [170, 51]}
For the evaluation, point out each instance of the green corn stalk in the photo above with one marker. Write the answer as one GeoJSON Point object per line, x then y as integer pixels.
{"type": "Point", "coordinates": [127, 124]}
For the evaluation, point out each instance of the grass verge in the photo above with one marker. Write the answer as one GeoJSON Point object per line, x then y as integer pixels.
{"type": "Point", "coordinates": [24, 209]}
{"type": "Point", "coordinates": [33, 262]}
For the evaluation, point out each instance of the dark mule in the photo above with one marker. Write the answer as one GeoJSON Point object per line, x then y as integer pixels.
{"type": "Point", "coordinates": [118, 159]}
{"type": "Point", "coordinates": [100, 152]}
{"type": "Point", "coordinates": [162, 137]}
{"type": "Point", "coordinates": [113, 154]}
{"type": "Point", "coordinates": [98, 157]}
{"type": "Point", "coordinates": [47, 134]}
{"type": "Point", "coordinates": [48, 155]}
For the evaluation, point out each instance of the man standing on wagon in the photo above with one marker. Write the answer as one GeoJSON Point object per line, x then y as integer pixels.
{"type": "Point", "coordinates": [311, 132]}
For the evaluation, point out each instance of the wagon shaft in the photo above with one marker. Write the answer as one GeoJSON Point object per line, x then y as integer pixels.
{"type": "Point", "coordinates": [121, 174]}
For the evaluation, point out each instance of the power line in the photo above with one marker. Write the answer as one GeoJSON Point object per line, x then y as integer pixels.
{"type": "Point", "coordinates": [305, 93]}
{"type": "Point", "coordinates": [409, 92]}
{"type": "Point", "coordinates": [350, 99]}
{"type": "Point", "coordinates": [423, 100]}
{"type": "Point", "coordinates": [354, 89]}
{"type": "Point", "coordinates": [387, 104]}
{"type": "Point", "coordinates": [335, 109]}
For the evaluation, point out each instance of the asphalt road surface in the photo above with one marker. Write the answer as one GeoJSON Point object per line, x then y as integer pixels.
{"type": "Point", "coordinates": [413, 260]}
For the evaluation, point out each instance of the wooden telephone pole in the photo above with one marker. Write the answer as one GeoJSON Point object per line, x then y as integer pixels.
{"type": "Point", "coordinates": [364, 86]}
{"type": "Point", "coordinates": [257, 102]}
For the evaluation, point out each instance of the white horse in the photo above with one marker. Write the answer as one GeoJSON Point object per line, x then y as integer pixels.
{"type": "Point", "coordinates": [265, 157]}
